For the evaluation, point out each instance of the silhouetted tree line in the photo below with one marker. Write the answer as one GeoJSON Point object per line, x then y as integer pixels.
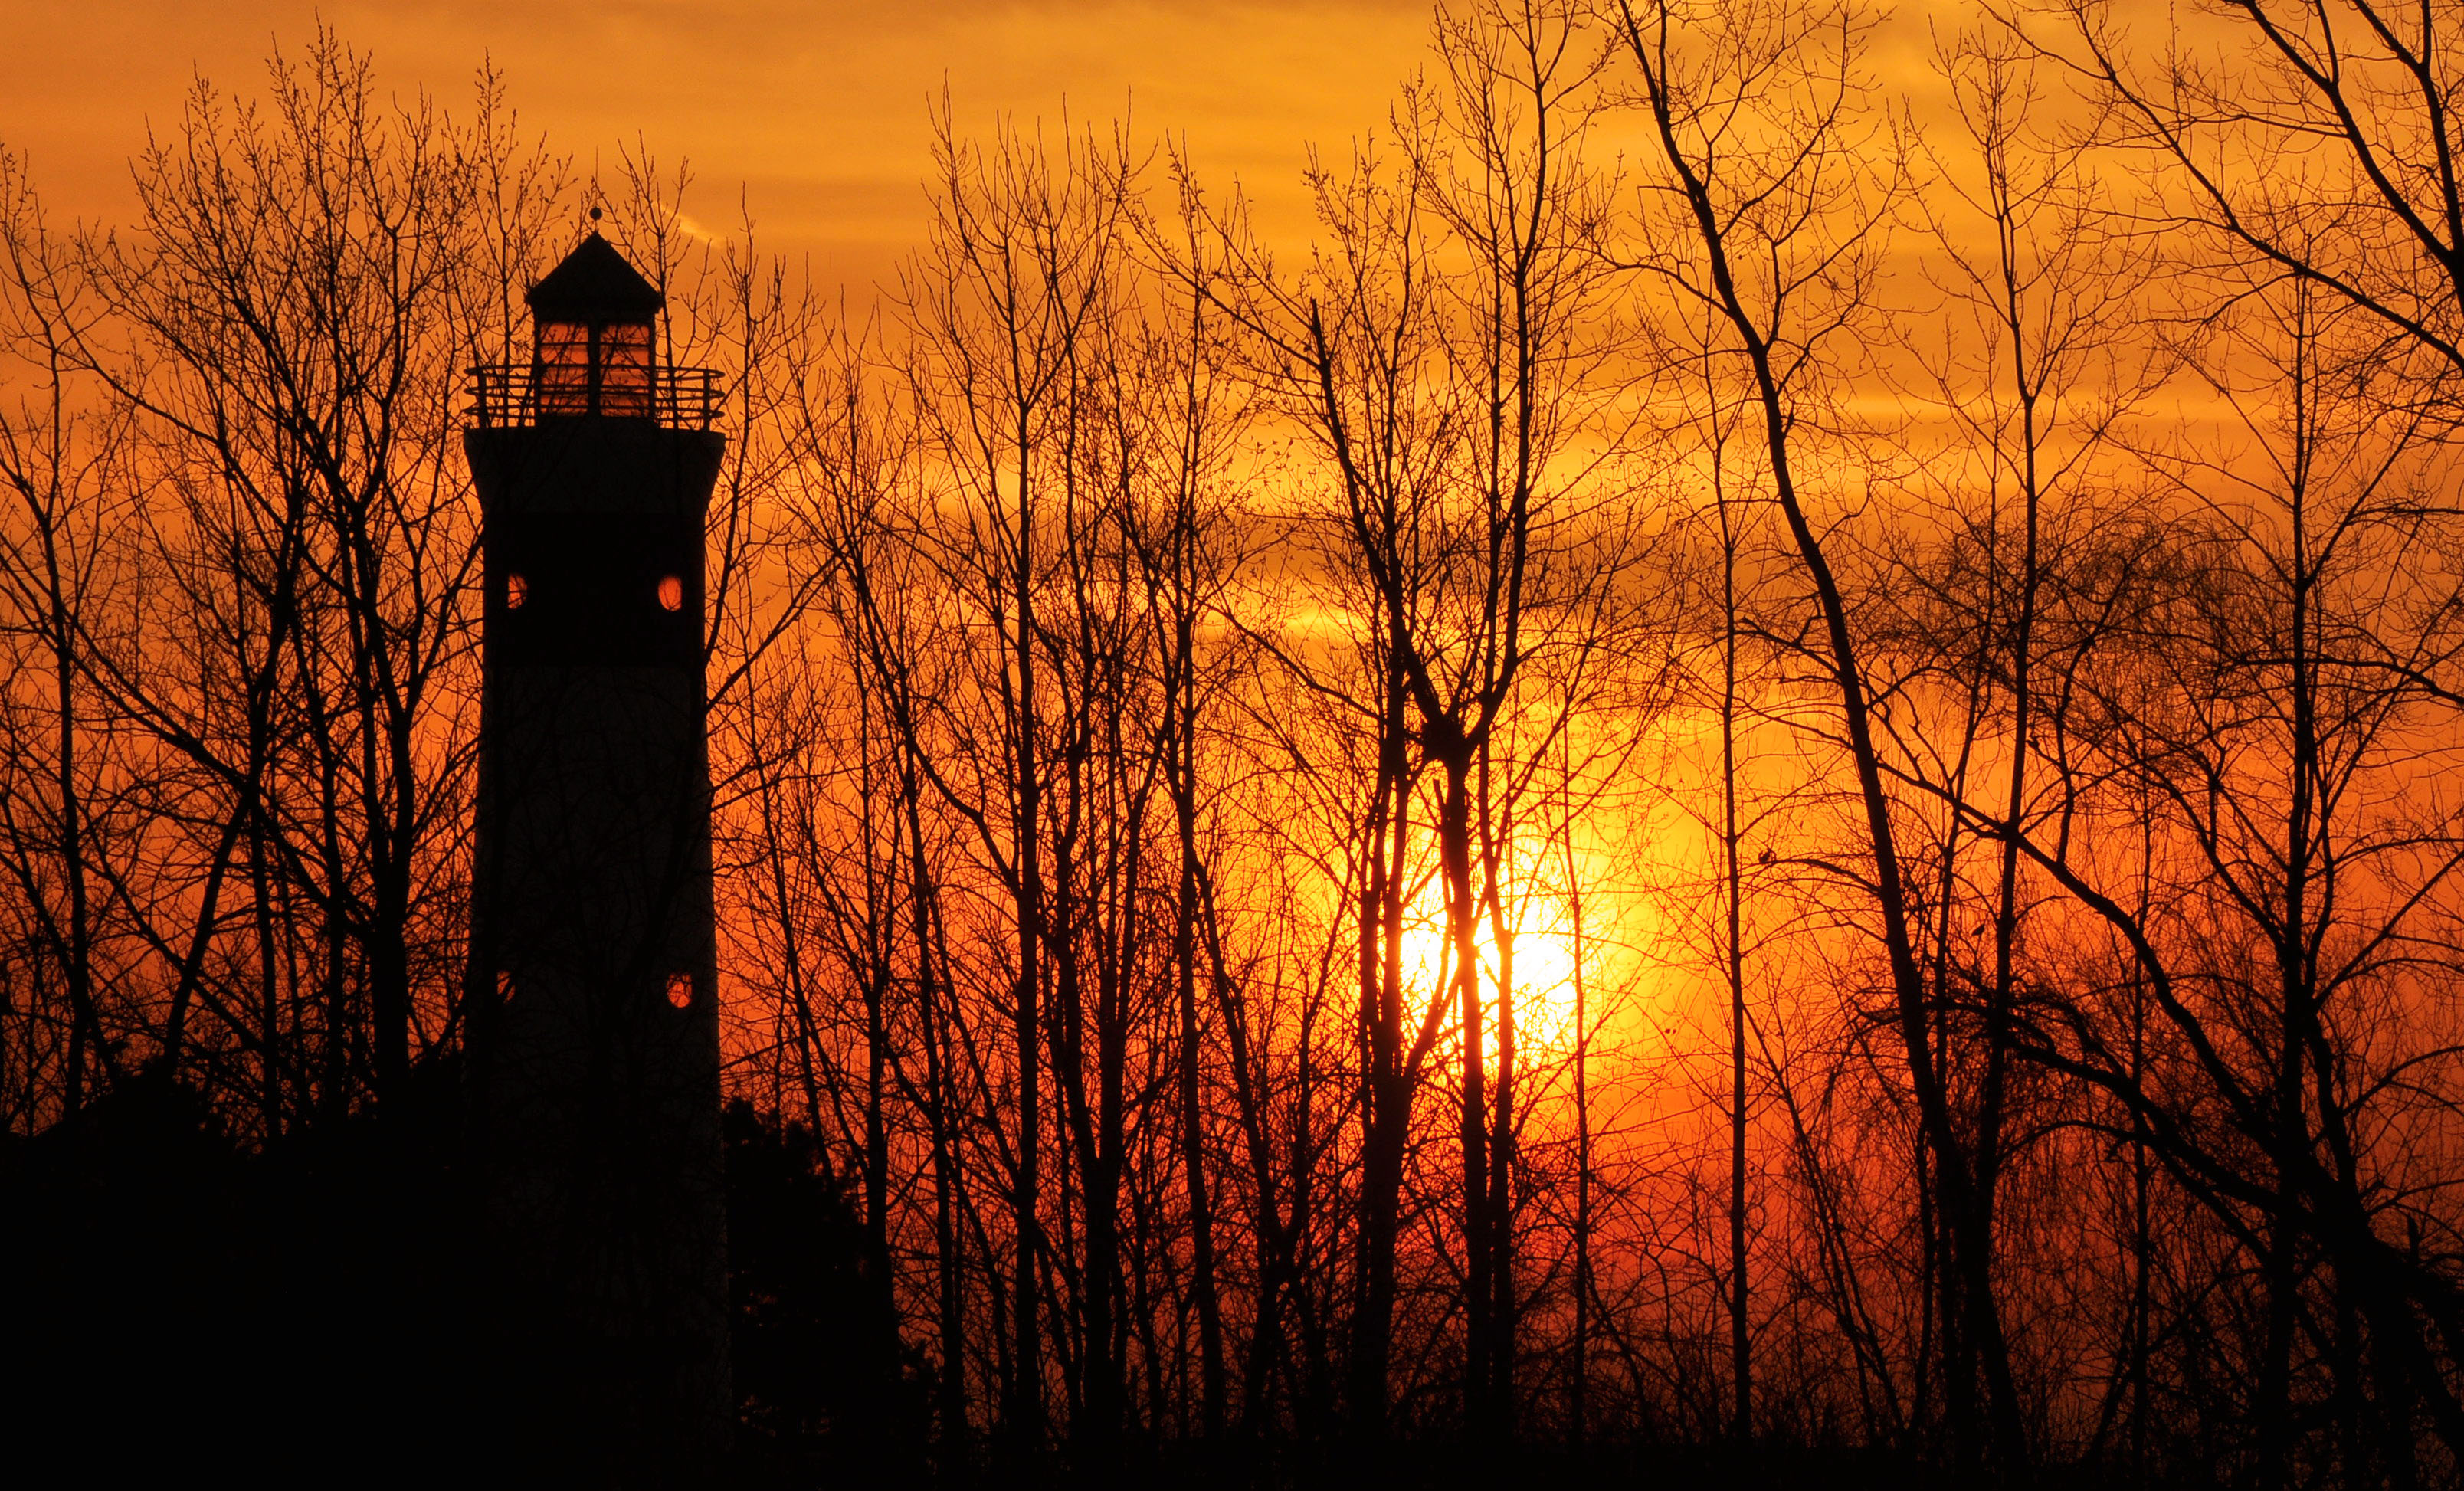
{"type": "Point", "coordinates": [1760, 755]}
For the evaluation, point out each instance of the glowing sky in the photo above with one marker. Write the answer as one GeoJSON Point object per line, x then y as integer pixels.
{"type": "Point", "coordinates": [815, 108]}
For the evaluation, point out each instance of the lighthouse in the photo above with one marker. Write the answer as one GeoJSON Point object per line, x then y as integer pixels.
{"type": "Point", "coordinates": [591, 997]}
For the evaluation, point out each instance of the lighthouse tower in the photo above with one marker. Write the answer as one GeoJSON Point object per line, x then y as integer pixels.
{"type": "Point", "coordinates": [593, 1020]}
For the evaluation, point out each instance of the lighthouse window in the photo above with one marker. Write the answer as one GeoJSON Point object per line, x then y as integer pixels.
{"type": "Point", "coordinates": [672, 593]}
{"type": "Point", "coordinates": [564, 367]}
{"type": "Point", "coordinates": [624, 370]}
{"type": "Point", "coordinates": [680, 990]}
{"type": "Point", "coordinates": [516, 591]}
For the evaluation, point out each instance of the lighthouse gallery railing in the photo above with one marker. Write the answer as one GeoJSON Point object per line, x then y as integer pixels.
{"type": "Point", "coordinates": [514, 395]}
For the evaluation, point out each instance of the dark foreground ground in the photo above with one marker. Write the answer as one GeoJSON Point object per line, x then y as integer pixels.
{"type": "Point", "coordinates": [174, 1307]}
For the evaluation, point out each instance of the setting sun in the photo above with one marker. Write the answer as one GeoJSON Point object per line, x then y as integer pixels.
{"type": "Point", "coordinates": [1543, 971]}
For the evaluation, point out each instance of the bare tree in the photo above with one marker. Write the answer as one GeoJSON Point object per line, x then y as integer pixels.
{"type": "Point", "coordinates": [1777, 202]}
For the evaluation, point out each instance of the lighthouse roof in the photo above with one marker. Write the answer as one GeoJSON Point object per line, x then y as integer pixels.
{"type": "Point", "coordinates": [595, 284]}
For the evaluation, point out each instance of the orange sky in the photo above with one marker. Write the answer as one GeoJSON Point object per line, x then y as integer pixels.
{"type": "Point", "coordinates": [817, 109]}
